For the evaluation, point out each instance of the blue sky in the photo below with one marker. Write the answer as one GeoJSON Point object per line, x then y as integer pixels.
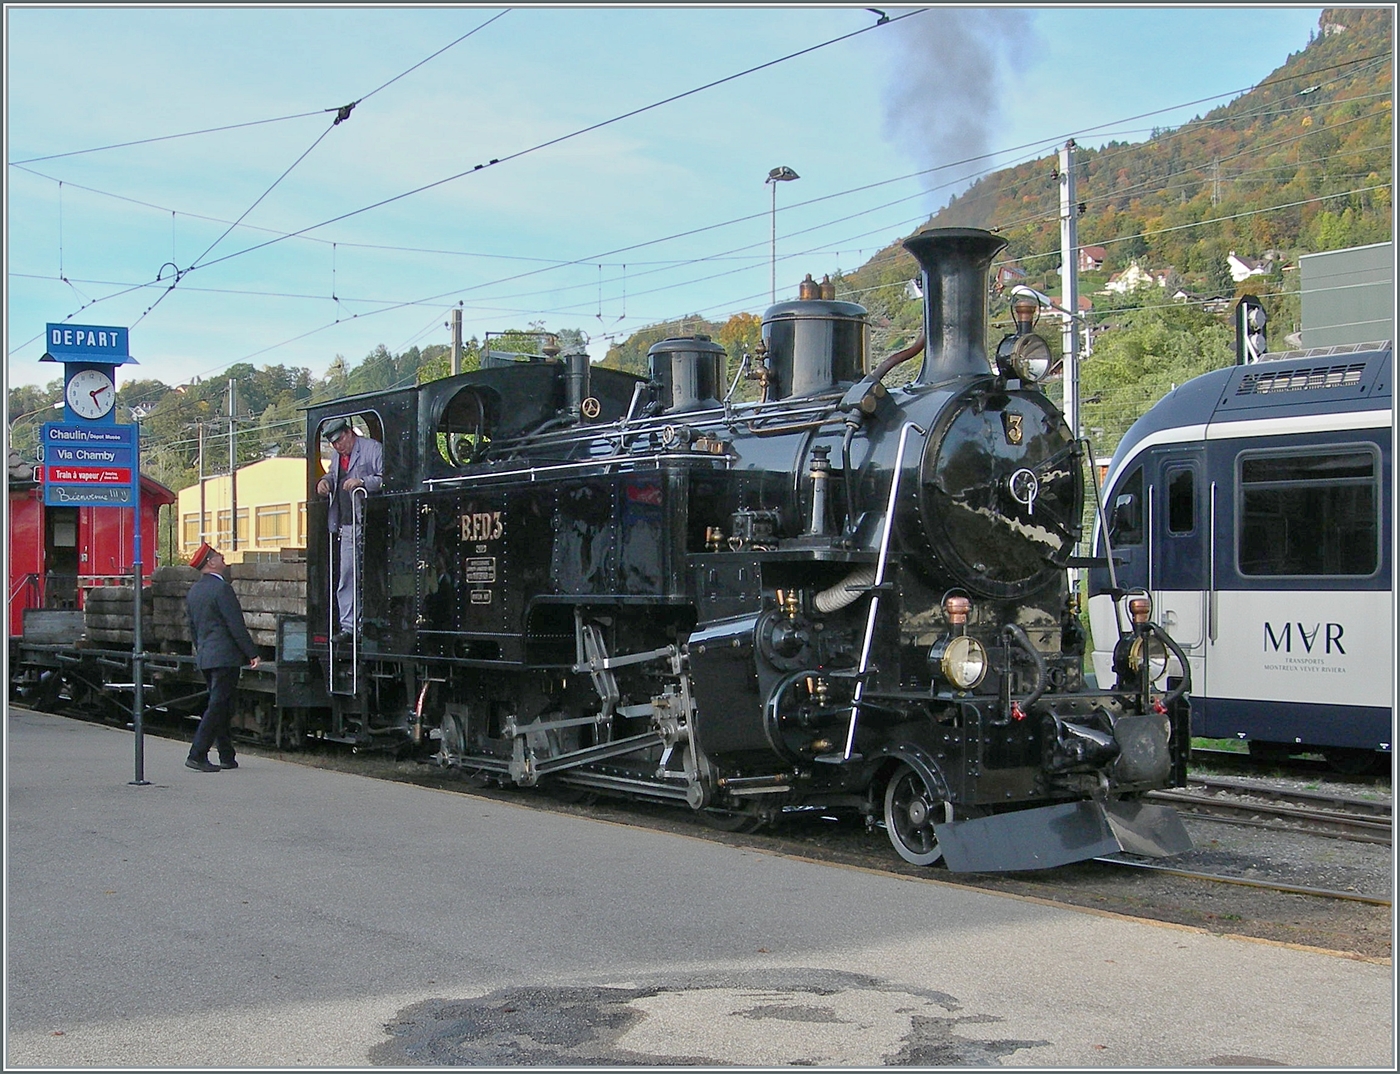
{"type": "Point", "coordinates": [539, 238]}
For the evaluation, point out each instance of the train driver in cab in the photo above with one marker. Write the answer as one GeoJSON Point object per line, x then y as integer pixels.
{"type": "Point", "coordinates": [358, 463]}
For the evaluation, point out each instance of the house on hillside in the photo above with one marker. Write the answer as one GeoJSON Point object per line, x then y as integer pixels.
{"type": "Point", "coordinates": [1091, 258]}
{"type": "Point", "coordinates": [1009, 276]}
{"type": "Point", "coordinates": [1242, 268]}
{"type": "Point", "coordinates": [1134, 277]}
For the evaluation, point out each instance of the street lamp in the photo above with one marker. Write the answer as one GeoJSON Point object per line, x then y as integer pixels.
{"type": "Point", "coordinates": [776, 176]}
{"type": "Point", "coordinates": [30, 413]}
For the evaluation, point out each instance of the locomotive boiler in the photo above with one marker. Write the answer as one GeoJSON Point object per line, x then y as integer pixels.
{"type": "Point", "coordinates": [842, 595]}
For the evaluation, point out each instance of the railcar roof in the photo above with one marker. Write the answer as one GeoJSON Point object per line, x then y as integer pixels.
{"type": "Point", "coordinates": [1322, 380]}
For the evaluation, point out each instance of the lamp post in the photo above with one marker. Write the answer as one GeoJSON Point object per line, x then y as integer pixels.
{"type": "Point", "coordinates": [777, 175]}
{"type": "Point", "coordinates": [30, 413]}
{"type": "Point", "coordinates": [15, 421]}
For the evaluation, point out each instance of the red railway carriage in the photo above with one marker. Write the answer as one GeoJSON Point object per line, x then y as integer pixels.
{"type": "Point", "coordinates": [57, 553]}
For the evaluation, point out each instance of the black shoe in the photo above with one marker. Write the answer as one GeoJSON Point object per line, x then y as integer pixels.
{"type": "Point", "coordinates": [200, 766]}
{"type": "Point", "coordinates": [228, 764]}
{"type": "Point", "coordinates": [343, 638]}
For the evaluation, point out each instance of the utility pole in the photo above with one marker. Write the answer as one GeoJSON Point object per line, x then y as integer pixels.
{"type": "Point", "coordinates": [203, 534]}
{"type": "Point", "coordinates": [457, 340]}
{"type": "Point", "coordinates": [232, 466]}
{"type": "Point", "coordinates": [1069, 284]}
{"type": "Point", "coordinates": [1069, 302]}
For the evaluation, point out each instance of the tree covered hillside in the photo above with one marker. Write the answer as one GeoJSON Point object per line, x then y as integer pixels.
{"type": "Point", "coordinates": [1300, 164]}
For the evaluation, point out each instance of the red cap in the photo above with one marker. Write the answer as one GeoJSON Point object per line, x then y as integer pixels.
{"type": "Point", "coordinates": [202, 553]}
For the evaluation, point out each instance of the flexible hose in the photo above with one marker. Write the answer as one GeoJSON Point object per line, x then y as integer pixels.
{"type": "Point", "coordinates": [845, 592]}
{"type": "Point", "coordinates": [898, 357]}
{"type": "Point", "coordinates": [1185, 683]}
{"type": "Point", "coordinates": [1011, 630]}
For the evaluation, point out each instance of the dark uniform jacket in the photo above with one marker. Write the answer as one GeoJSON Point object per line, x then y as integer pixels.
{"type": "Point", "coordinates": [221, 638]}
{"type": "Point", "coordinates": [366, 463]}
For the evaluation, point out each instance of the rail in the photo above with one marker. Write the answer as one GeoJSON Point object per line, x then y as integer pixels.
{"type": "Point", "coordinates": [1279, 815]}
{"type": "Point", "coordinates": [1248, 882]}
{"type": "Point", "coordinates": [1361, 806]}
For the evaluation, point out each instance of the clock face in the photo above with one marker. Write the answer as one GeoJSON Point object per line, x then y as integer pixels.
{"type": "Point", "coordinates": [90, 393]}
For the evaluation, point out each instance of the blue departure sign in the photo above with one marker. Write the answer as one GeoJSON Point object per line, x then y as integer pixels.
{"type": "Point", "coordinates": [86, 343]}
{"type": "Point", "coordinates": [90, 465]}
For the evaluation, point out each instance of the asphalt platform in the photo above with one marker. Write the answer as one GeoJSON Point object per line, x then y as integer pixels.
{"type": "Point", "coordinates": [281, 916]}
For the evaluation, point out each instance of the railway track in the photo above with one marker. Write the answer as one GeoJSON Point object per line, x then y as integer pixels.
{"type": "Point", "coordinates": [1282, 809]}
{"type": "Point", "coordinates": [1249, 882]}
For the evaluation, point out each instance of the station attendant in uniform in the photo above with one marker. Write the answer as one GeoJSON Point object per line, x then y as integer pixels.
{"type": "Point", "coordinates": [359, 463]}
{"type": "Point", "coordinates": [222, 646]}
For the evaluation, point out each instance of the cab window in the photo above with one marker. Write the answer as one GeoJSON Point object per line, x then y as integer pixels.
{"type": "Point", "coordinates": [1125, 526]}
{"type": "Point", "coordinates": [464, 430]}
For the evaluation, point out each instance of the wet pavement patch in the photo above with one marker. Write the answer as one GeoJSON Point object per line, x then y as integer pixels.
{"type": "Point", "coordinates": [781, 1017]}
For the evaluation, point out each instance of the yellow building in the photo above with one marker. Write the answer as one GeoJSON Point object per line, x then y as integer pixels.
{"type": "Point", "coordinates": [271, 497]}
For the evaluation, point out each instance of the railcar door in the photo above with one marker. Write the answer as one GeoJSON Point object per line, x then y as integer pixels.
{"type": "Point", "coordinates": [1300, 638]}
{"type": "Point", "coordinates": [1178, 529]}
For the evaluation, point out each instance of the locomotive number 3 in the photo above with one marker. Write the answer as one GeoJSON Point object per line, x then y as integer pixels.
{"type": "Point", "coordinates": [482, 526]}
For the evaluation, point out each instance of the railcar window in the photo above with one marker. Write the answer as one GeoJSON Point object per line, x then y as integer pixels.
{"type": "Point", "coordinates": [1181, 501]}
{"type": "Point", "coordinates": [1309, 514]}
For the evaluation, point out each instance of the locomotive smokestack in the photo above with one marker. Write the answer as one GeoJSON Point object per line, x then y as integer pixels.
{"type": "Point", "coordinates": [954, 261]}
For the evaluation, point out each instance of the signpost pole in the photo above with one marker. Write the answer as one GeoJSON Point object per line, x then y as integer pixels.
{"type": "Point", "coordinates": [91, 461]}
{"type": "Point", "coordinates": [138, 649]}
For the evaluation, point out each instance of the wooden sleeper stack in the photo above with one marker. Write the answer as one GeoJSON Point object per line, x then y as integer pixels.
{"type": "Point", "coordinates": [265, 590]}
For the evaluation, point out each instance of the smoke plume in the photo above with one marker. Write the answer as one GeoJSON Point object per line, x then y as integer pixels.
{"type": "Point", "coordinates": [944, 98]}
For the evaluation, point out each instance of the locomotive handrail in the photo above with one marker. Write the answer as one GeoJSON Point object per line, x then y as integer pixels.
{"type": "Point", "coordinates": [1098, 506]}
{"type": "Point", "coordinates": [507, 472]}
{"type": "Point", "coordinates": [358, 498]}
{"type": "Point", "coordinates": [864, 666]}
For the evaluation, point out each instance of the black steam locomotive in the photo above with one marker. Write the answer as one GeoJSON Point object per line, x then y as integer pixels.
{"type": "Point", "coordinates": [840, 596]}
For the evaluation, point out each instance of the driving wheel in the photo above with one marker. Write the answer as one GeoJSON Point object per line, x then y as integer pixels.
{"type": "Point", "coordinates": [910, 811]}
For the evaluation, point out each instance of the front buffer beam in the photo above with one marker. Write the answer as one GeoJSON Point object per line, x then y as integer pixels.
{"type": "Point", "coordinates": [1047, 836]}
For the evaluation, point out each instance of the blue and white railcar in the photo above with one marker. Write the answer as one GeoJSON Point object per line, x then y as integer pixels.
{"type": "Point", "coordinates": [1254, 505]}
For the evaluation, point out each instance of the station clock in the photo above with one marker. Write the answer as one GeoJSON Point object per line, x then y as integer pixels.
{"type": "Point", "coordinates": [91, 393]}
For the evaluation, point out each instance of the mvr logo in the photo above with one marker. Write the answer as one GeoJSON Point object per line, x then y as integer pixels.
{"type": "Point", "coordinates": [1282, 640]}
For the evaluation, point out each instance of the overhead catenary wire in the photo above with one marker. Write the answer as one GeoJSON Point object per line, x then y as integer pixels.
{"type": "Point", "coordinates": [167, 137]}
{"type": "Point", "coordinates": [796, 205]}
{"type": "Point", "coordinates": [1040, 142]}
{"type": "Point", "coordinates": [255, 122]}
{"type": "Point", "coordinates": [571, 135]}
{"type": "Point", "coordinates": [342, 114]}
{"type": "Point", "coordinates": [1298, 76]}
